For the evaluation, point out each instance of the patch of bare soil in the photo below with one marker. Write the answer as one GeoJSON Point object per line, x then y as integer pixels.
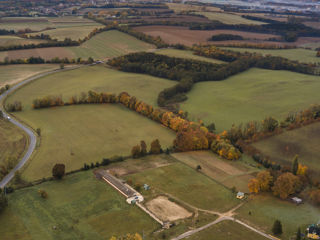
{"type": "Point", "coordinates": [167, 210]}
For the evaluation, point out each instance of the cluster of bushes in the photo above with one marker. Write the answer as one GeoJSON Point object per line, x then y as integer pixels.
{"type": "Point", "coordinates": [141, 149]}
{"type": "Point", "coordinates": [14, 107]}
{"type": "Point", "coordinates": [5, 88]}
{"type": "Point", "coordinates": [104, 162]}
{"type": "Point", "coordinates": [225, 37]}
{"type": "Point", "coordinates": [6, 32]}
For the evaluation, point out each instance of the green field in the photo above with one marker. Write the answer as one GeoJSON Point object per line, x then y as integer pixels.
{"type": "Point", "coordinates": [98, 78]}
{"type": "Point", "coordinates": [228, 18]}
{"type": "Point", "coordinates": [265, 209]}
{"type": "Point", "coordinates": [186, 54]}
{"type": "Point", "coordinates": [74, 33]}
{"type": "Point", "coordinates": [104, 45]}
{"type": "Point", "coordinates": [6, 40]}
{"type": "Point", "coordinates": [41, 23]}
{"type": "Point", "coordinates": [12, 141]}
{"type": "Point", "coordinates": [187, 185]}
{"type": "Point", "coordinates": [82, 134]}
{"type": "Point", "coordinates": [227, 230]}
{"type": "Point", "coordinates": [110, 44]}
{"type": "Point", "coordinates": [251, 95]}
{"type": "Point", "coordinates": [298, 54]}
{"type": "Point", "coordinates": [79, 206]}
{"type": "Point", "coordinates": [11, 74]}
{"type": "Point", "coordinates": [303, 141]}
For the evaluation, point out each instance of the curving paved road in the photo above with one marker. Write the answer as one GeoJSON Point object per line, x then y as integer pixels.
{"type": "Point", "coordinates": [31, 134]}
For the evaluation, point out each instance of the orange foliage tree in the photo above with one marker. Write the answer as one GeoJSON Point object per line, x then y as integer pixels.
{"type": "Point", "coordinates": [286, 184]}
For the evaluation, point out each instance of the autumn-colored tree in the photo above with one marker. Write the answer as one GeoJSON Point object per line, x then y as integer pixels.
{"type": "Point", "coordinates": [254, 186]}
{"type": "Point", "coordinates": [135, 151]}
{"type": "Point", "coordinates": [315, 196]}
{"type": "Point", "coordinates": [143, 147]}
{"type": "Point", "coordinates": [265, 180]}
{"type": "Point", "coordinates": [58, 171]}
{"type": "Point", "coordinates": [135, 236]}
{"type": "Point", "coordinates": [286, 184]}
{"type": "Point", "coordinates": [191, 139]}
{"type": "Point", "coordinates": [43, 193]}
{"type": "Point", "coordinates": [155, 147]}
{"type": "Point", "coordinates": [302, 170]}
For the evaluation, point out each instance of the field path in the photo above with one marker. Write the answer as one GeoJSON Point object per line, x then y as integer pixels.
{"type": "Point", "coordinates": [31, 134]}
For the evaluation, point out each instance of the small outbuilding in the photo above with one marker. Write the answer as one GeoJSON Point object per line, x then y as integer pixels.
{"type": "Point", "coordinates": [240, 195]}
{"type": "Point", "coordinates": [146, 187]}
{"type": "Point", "coordinates": [296, 200]}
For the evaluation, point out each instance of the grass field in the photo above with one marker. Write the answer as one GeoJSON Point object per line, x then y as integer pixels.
{"type": "Point", "coordinates": [74, 33]}
{"type": "Point", "coordinates": [228, 18]}
{"type": "Point", "coordinates": [298, 54]}
{"type": "Point", "coordinates": [76, 135]}
{"type": "Point", "coordinates": [227, 230]}
{"type": "Point", "coordinates": [6, 40]}
{"type": "Point", "coordinates": [98, 78]}
{"type": "Point", "coordinates": [102, 46]}
{"type": "Point", "coordinates": [178, 7]}
{"type": "Point", "coordinates": [265, 209]}
{"type": "Point", "coordinates": [41, 23]}
{"type": "Point", "coordinates": [231, 174]}
{"type": "Point", "coordinates": [186, 54]}
{"type": "Point", "coordinates": [182, 35]}
{"type": "Point", "coordinates": [79, 206]}
{"type": "Point", "coordinates": [11, 74]}
{"type": "Point", "coordinates": [187, 185]}
{"type": "Point", "coordinates": [12, 141]}
{"type": "Point", "coordinates": [303, 141]}
{"type": "Point", "coordinates": [251, 95]}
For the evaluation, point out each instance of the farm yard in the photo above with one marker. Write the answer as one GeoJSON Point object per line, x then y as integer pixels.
{"type": "Point", "coordinates": [102, 46]}
{"type": "Point", "coordinates": [303, 141]}
{"type": "Point", "coordinates": [265, 209]}
{"type": "Point", "coordinates": [104, 212]}
{"type": "Point", "coordinates": [12, 74]}
{"type": "Point", "coordinates": [187, 185]}
{"type": "Point", "coordinates": [182, 35]}
{"type": "Point", "coordinates": [251, 95]}
{"type": "Point", "coordinates": [228, 173]}
{"type": "Point", "coordinates": [13, 141]}
{"type": "Point", "coordinates": [185, 54]}
{"type": "Point", "coordinates": [298, 54]}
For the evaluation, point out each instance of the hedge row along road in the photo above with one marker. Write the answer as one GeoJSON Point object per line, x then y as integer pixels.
{"type": "Point", "coordinates": [31, 134]}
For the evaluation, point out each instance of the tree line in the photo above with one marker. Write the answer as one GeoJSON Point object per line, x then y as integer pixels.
{"type": "Point", "coordinates": [225, 37]}
{"type": "Point", "coordinates": [40, 60]}
{"type": "Point", "coordinates": [190, 135]}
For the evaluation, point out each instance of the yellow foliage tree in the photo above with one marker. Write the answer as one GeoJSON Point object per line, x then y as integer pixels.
{"type": "Point", "coordinates": [302, 170]}
{"type": "Point", "coordinates": [254, 186]}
